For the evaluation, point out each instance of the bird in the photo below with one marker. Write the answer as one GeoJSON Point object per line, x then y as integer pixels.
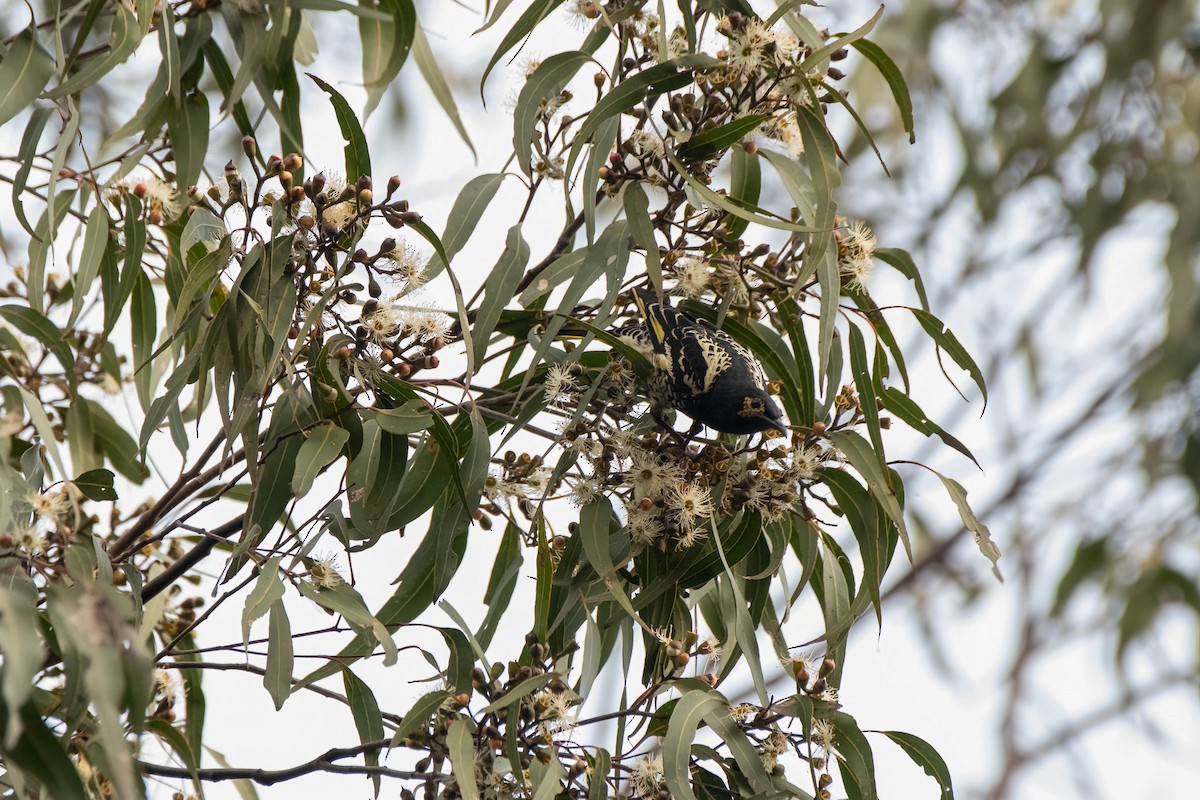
{"type": "Point", "coordinates": [701, 371]}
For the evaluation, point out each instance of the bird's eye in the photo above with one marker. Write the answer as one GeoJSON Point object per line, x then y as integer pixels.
{"type": "Point", "coordinates": [755, 405]}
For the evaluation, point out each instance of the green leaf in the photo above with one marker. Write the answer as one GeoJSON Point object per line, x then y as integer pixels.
{"type": "Point", "coordinates": [323, 445]}
{"type": "Point", "coordinates": [22, 647]}
{"type": "Point", "coordinates": [420, 713]}
{"type": "Point", "coordinates": [546, 82]}
{"type": "Point", "coordinates": [422, 485]}
{"type": "Point", "coordinates": [745, 186]}
{"type": "Point", "coordinates": [168, 44]}
{"type": "Point", "coordinates": [946, 340]}
{"type": "Point", "coordinates": [273, 486]}
{"type": "Point", "coordinates": [32, 323]}
{"type": "Point", "coordinates": [834, 594]}
{"type": "Point", "coordinates": [736, 207]}
{"type": "Point", "coordinates": [267, 591]}
{"type": "Point", "coordinates": [232, 104]}
{"type": "Point", "coordinates": [188, 126]}
{"type": "Point", "coordinates": [603, 140]}
{"type": "Point", "coordinates": [902, 262]}
{"type": "Point", "coordinates": [38, 752]}
{"type": "Point", "coordinates": [595, 525]}
{"type": "Point", "coordinates": [462, 756]}
{"type": "Point", "coordinates": [503, 581]}
{"type": "Point", "coordinates": [385, 46]}
{"type": "Point", "coordinates": [412, 416]}
{"type": "Point", "coordinates": [436, 81]}
{"type": "Point", "coordinates": [143, 321]}
{"type": "Point", "coordinates": [714, 140]}
{"type": "Point", "coordinates": [123, 40]}
{"type": "Point", "coordinates": [462, 652]}
{"type": "Point", "coordinates": [255, 41]}
{"type": "Point", "coordinates": [855, 761]}
{"type": "Point", "coordinates": [656, 80]}
{"type": "Point", "coordinates": [1091, 558]}
{"type": "Point", "coordinates": [879, 482]}
{"type": "Point", "coordinates": [203, 228]}
{"type": "Point", "coordinates": [24, 73]}
{"type": "Point", "coordinates": [522, 690]}
{"type": "Point", "coordinates": [278, 677]}
{"type": "Point", "coordinates": [876, 540]}
{"type": "Point", "coordinates": [925, 757]}
{"type": "Point", "coordinates": [497, 11]}
{"type": "Point", "coordinates": [499, 290]}
{"type": "Point", "coordinates": [175, 740]}
{"type": "Point", "coordinates": [367, 719]}
{"type": "Point", "coordinates": [116, 297]}
{"type": "Point", "coordinates": [566, 266]}
{"type": "Point", "coordinates": [895, 81]}
{"type": "Point", "coordinates": [983, 537]}
{"type": "Point", "coordinates": [866, 390]}
{"type": "Point", "coordinates": [597, 784]}
{"type": "Point", "coordinates": [812, 61]}
{"type": "Point", "coordinates": [245, 787]}
{"type": "Point", "coordinates": [911, 414]}
{"type": "Point", "coordinates": [694, 707]}
{"type": "Point", "coordinates": [95, 241]}
{"type": "Point", "coordinates": [637, 214]}
{"type": "Point", "coordinates": [358, 158]}
{"type": "Point", "coordinates": [463, 220]}
{"type": "Point", "coordinates": [543, 587]}
{"type": "Point", "coordinates": [525, 24]}
{"type": "Point", "coordinates": [96, 484]}
{"type": "Point", "coordinates": [26, 158]}
{"type": "Point", "coordinates": [361, 11]}
{"type": "Point", "coordinates": [344, 599]}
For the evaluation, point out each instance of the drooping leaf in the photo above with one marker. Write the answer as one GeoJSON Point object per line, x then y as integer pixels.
{"type": "Point", "coordinates": [895, 81]}
{"type": "Point", "coordinates": [714, 140]}
{"type": "Point", "coordinates": [427, 64]}
{"type": "Point", "coordinates": [367, 719]}
{"type": "Point", "coordinates": [545, 84]}
{"type": "Point", "coordinates": [358, 157]}
{"type": "Point", "coordinates": [278, 677]}
{"type": "Point", "coordinates": [854, 757]}
{"type": "Point", "coordinates": [925, 757]}
{"type": "Point", "coordinates": [24, 73]}
{"type": "Point", "coordinates": [499, 289]}
{"type": "Point", "coordinates": [386, 44]}
{"type": "Point", "coordinates": [947, 341]}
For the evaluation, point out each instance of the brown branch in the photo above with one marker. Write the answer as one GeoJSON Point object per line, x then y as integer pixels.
{"type": "Point", "coordinates": [191, 558]}
{"type": "Point", "coordinates": [322, 763]}
{"type": "Point", "coordinates": [187, 482]}
{"type": "Point", "coordinates": [564, 241]}
{"type": "Point", "coordinates": [1020, 758]}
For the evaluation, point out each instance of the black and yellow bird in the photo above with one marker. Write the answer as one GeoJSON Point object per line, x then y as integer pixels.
{"type": "Point", "coordinates": [701, 371]}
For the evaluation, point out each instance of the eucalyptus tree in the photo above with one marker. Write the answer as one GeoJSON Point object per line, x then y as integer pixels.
{"type": "Point", "coordinates": [307, 369]}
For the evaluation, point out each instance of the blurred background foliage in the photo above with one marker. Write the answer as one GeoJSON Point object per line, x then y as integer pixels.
{"type": "Point", "coordinates": [1053, 197]}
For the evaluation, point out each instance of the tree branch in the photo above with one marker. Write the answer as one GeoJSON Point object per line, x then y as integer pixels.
{"type": "Point", "coordinates": [191, 558]}
{"type": "Point", "coordinates": [322, 763]}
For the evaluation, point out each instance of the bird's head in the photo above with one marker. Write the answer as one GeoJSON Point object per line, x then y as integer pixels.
{"type": "Point", "coordinates": [756, 412]}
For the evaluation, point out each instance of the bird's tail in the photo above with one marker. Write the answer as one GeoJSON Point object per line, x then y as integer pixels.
{"type": "Point", "coordinates": [652, 310]}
